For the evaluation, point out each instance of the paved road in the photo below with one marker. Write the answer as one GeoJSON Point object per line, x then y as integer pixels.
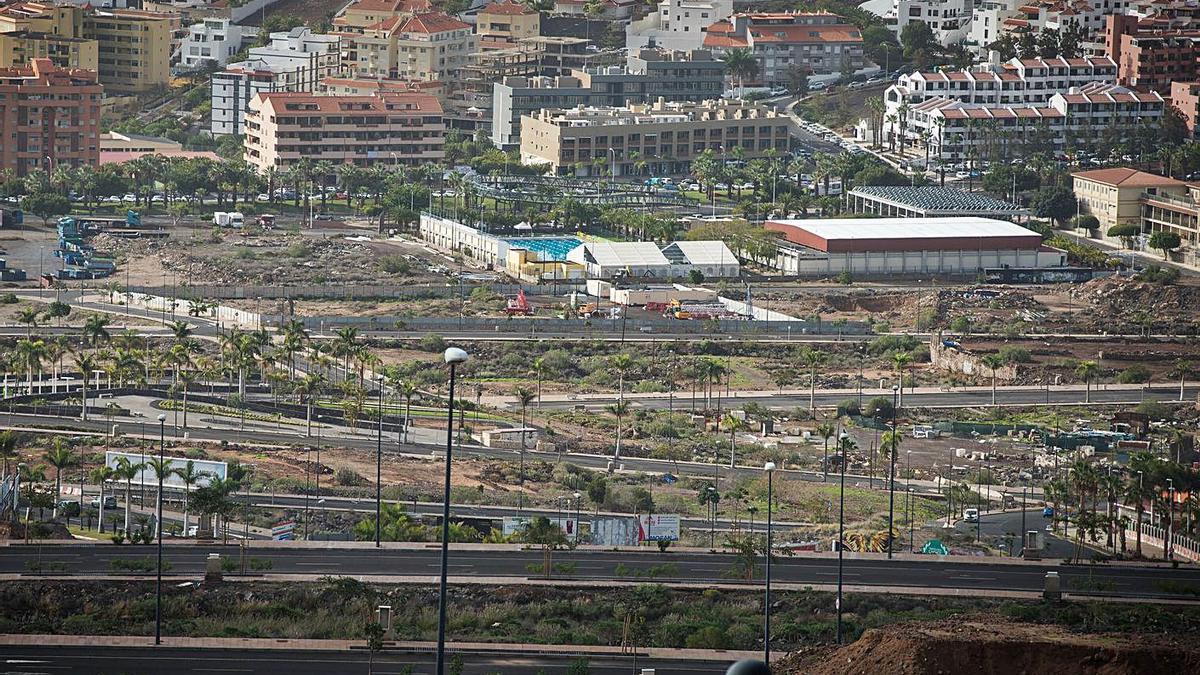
{"type": "Point", "coordinates": [99, 660]}
{"type": "Point", "coordinates": [508, 561]}
{"type": "Point", "coordinates": [1012, 396]}
{"type": "Point", "coordinates": [995, 528]}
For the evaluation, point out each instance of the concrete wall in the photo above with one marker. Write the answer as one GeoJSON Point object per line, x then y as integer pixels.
{"type": "Point", "coordinates": [869, 263]}
{"type": "Point", "coordinates": [958, 361]}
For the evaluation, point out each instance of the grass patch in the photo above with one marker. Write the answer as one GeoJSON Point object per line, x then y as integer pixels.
{"type": "Point", "coordinates": [137, 564]}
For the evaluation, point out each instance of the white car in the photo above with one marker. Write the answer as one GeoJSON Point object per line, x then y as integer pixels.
{"type": "Point", "coordinates": [263, 197]}
{"type": "Point", "coordinates": [962, 175]}
{"type": "Point", "coordinates": [129, 198]}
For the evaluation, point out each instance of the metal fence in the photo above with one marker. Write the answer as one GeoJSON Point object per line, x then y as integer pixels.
{"type": "Point", "coordinates": [1183, 546]}
{"type": "Point", "coordinates": [351, 291]}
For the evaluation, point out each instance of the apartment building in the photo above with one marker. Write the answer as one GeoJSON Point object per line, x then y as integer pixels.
{"type": "Point", "coordinates": [294, 61]}
{"type": "Point", "coordinates": [425, 46]}
{"type": "Point", "coordinates": [348, 86]}
{"type": "Point", "coordinates": [648, 74]}
{"type": "Point", "coordinates": [507, 21]}
{"type": "Point", "coordinates": [610, 10]}
{"type": "Point", "coordinates": [1185, 97]}
{"type": "Point", "coordinates": [946, 18]}
{"type": "Point", "coordinates": [1125, 196]}
{"type": "Point", "coordinates": [1017, 81]}
{"type": "Point", "coordinates": [665, 136]}
{"type": "Point", "coordinates": [1149, 56]}
{"type": "Point", "coordinates": [819, 42]}
{"type": "Point", "coordinates": [49, 116]}
{"type": "Point", "coordinates": [22, 47]}
{"type": "Point", "coordinates": [213, 41]}
{"type": "Point", "coordinates": [134, 48]}
{"type": "Point", "coordinates": [959, 130]}
{"type": "Point", "coordinates": [678, 24]}
{"type": "Point", "coordinates": [386, 129]}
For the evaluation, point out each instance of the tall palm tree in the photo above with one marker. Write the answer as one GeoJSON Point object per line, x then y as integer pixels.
{"type": "Point", "coordinates": [86, 363]}
{"type": "Point", "coordinates": [826, 430]}
{"type": "Point", "coordinates": [162, 470]}
{"type": "Point", "coordinates": [190, 476]}
{"type": "Point", "coordinates": [95, 329]}
{"type": "Point", "coordinates": [100, 476]}
{"type": "Point", "coordinates": [733, 425]}
{"type": "Point", "coordinates": [812, 358]}
{"type": "Point", "coordinates": [60, 457]}
{"type": "Point", "coordinates": [618, 410]}
{"type": "Point", "coordinates": [900, 360]}
{"type": "Point", "coordinates": [741, 64]}
{"type": "Point", "coordinates": [345, 344]}
{"type": "Point", "coordinates": [308, 389]}
{"type": "Point", "coordinates": [31, 353]}
{"type": "Point", "coordinates": [622, 363]}
{"type": "Point", "coordinates": [8, 447]}
{"type": "Point", "coordinates": [1086, 370]}
{"type": "Point", "coordinates": [29, 317]}
{"type": "Point", "coordinates": [1184, 369]}
{"type": "Point", "coordinates": [539, 365]}
{"type": "Point", "coordinates": [524, 398]}
{"type": "Point", "coordinates": [993, 362]}
{"type": "Point", "coordinates": [127, 470]}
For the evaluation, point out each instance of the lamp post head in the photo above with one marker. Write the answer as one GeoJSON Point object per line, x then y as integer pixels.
{"type": "Point", "coordinates": [162, 418]}
{"type": "Point", "coordinates": [895, 388]}
{"type": "Point", "coordinates": [455, 355]}
{"type": "Point", "coordinates": [769, 466]}
{"type": "Point", "coordinates": [843, 436]}
{"type": "Point", "coordinates": [578, 495]}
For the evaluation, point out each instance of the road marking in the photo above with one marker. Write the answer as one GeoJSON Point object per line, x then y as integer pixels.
{"type": "Point", "coordinates": [303, 564]}
{"type": "Point", "coordinates": [223, 670]}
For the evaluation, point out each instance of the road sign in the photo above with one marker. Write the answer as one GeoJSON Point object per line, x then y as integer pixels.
{"type": "Point", "coordinates": [284, 531]}
{"type": "Point", "coordinates": [658, 527]}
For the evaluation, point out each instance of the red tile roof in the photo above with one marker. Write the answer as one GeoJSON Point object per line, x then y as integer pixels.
{"type": "Point", "coordinates": [507, 8]}
{"type": "Point", "coordinates": [1126, 177]}
{"type": "Point", "coordinates": [433, 22]}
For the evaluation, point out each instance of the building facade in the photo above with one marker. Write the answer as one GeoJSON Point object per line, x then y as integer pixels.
{"type": "Point", "coordinates": [23, 47]}
{"type": "Point", "coordinates": [1185, 97]}
{"type": "Point", "coordinates": [1153, 203]}
{"type": "Point", "coordinates": [213, 41]}
{"type": "Point", "coordinates": [294, 61]}
{"type": "Point", "coordinates": [134, 48]}
{"type": "Point", "coordinates": [816, 42]}
{"type": "Point", "coordinates": [1150, 56]}
{"type": "Point", "coordinates": [49, 117]}
{"type": "Point", "coordinates": [678, 24]}
{"type": "Point", "coordinates": [660, 138]}
{"type": "Point", "coordinates": [388, 129]}
{"type": "Point", "coordinates": [648, 75]}
{"type": "Point", "coordinates": [507, 21]}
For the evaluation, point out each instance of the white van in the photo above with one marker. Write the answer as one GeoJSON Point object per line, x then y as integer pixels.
{"type": "Point", "coordinates": [924, 431]}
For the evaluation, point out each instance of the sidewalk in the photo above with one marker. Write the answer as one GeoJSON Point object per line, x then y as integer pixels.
{"type": "Point", "coordinates": [287, 644]}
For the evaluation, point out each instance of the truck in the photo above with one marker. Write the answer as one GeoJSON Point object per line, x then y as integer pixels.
{"type": "Point", "coordinates": [229, 219]}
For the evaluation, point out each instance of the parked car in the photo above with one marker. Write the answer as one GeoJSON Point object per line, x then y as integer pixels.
{"type": "Point", "coordinates": [68, 507]}
{"type": "Point", "coordinates": [110, 502]}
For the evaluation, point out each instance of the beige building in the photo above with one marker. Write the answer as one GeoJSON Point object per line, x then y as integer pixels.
{"type": "Point", "coordinates": [427, 46]}
{"type": "Point", "coordinates": [507, 21]}
{"type": "Point", "coordinates": [666, 136]}
{"type": "Point", "coordinates": [22, 47]}
{"type": "Point", "coordinates": [134, 48]}
{"type": "Point", "coordinates": [389, 129]}
{"type": "Point", "coordinates": [1114, 196]}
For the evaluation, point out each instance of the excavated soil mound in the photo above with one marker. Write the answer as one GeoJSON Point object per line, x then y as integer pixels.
{"type": "Point", "coordinates": [992, 646]}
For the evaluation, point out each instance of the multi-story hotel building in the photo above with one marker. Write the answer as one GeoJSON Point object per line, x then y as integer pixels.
{"type": "Point", "coordinates": [390, 129]}
{"type": "Point", "coordinates": [818, 42]}
{"type": "Point", "coordinates": [665, 136]}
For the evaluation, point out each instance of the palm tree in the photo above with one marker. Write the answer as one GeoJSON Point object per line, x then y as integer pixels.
{"type": "Point", "coordinates": [190, 476]}
{"type": "Point", "coordinates": [127, 471]}
{"type": "Point", "coordinates": [95, 329]}
{"type": "Point", "coordinates": [619, 410]}
{"type": "Point", "coordinates": [733, 425]}
{"type": "Point", "coordinates": [59, 457]}
{"type": "Point", "coordinates": [901, 359]}
{"type": "Point", "coordinates": [812, 358]}
{"type": "Point", "coordinates": [101, 475]}
{"type": "Point", "coordinates": [1086, 370]}
{"type": "Point", "coordinates": [308, 389]}
{"type": "Point", "coordinates": [162, 470]}
{"type": "Point", "coordinates": [408, 390]}
{"type": "Point", "coordinates": [1184, 369]}
{"type": "Point", "coordinates": [993, 362]}
{"type": "Point", "coordinates": [180, 329]}
{"type": "Point", "coordinates": [622, 363]}
{"type": "Point", "coordinates": [86, 363]}
{"type": "Point", "coordinates": [186, 379]}
{"type": "Point", "coordinates": [524, 398]}
{"type": "Point", "coordinates": [345, 342]}
{"type": "Point", "coordinates": [740, 63]}
{"type": "Point", "coordinates": [29, 317]}
{"type": "Point", "coordinates": [826, 430]}
{"type": "Point", "coordinates": [8, 447]}
{"type": "Point", "coordinates": [538, 365]}
{"type": "Point", "coordinates": [31, 353]}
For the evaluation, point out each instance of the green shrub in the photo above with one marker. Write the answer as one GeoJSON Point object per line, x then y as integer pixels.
{"type": "Point", "coordinates": [1013, 354]}
{"type": "Point", "coordinates": [8, 299]}
{"type": "Point", "coordinates": [395, 264]}
{"type": "Point", "coordinates": [1135, 374]}
{"type": "Point", "coordinates": [707, 637]}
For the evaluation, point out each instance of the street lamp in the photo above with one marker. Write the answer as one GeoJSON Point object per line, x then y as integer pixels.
{"type": "Point", "coordinates": [453, 357]}
{"type": "Point", "coordinates": [162, 442]}
{"type": "Point", "coordinates": [892, 483]}
{"type": "Point", "coordinates": [1168, 549]}
{"type": "Point", "coordinates": [769, 467]}
{"type": "Point", "coordinates": [841, 543]}
{"type": "Point", "coordinates": [712, 516]}
{"type": "Point", "coordinates": [378, 470]}
{"type": "Point", "coordinates": [908, 503]}
{"type": "Point", "coordinates": [577, 498]}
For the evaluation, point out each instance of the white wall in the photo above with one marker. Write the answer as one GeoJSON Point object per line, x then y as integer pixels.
{"type": "Point", "coordinates": [915, 262]}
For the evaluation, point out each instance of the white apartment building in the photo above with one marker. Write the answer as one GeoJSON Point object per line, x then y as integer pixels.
{"type": "Point", "coordinates": [1018, 81]}
{"type": "Point", "coordinates": [959, 129]}
{"type": "Point", "coordinates": [946, 18]}
{"type": "Point", "coordinates": [992, 18]}
{"type": "Point", "coordinates": [294, 61]}
{"type": "Point", "coordinates": [213, 41]}
{"type": "Point", "coordinates": [678, 24]}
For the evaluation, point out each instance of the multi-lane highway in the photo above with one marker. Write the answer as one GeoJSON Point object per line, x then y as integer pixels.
{"type": "Point", "coordinates": [513, 563]}
{"type": "Point", "coordinates": [149, 660]}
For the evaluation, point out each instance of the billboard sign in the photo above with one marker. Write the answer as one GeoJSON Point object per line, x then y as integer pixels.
{"type": "Point", "coordinates": [615, 532]}
{"type": "Point", "coordinates": [284, 531]}
{"type": "Point", "coordinates": [514, 524]}
{"type": "Point", "coordinates": [658, 527]}
{"type": "Point", "coordinates": [209, 468]}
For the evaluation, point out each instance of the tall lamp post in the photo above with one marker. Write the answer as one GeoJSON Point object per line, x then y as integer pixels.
{"type": "Point", "coordinates": [577, 496]}
{"type": "Point", "coordinates": [162, 441]}
{"type": "Point", "coordinates": [453, 357]}
{"type": "Point", "coordinates": [769, 467]}
{"type": "Point", "coordinates": [892, 482]}
{"type": "Point", "coordinates": [841, 543]}
{"type": "Point", "coordinates": [379, 470]}
{"type": "Point", "coordinates": [1168, 547]}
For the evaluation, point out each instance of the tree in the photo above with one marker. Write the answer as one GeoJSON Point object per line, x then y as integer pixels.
{"type": "Point", "coordinates": [812, 358]}
{"type": "Point", "coordinates": [1057, 203]}
{"type": "Point", "coordinates": [95, 329]}
{"type": "Point", "coordinates": [546, 534]}
{"type": "Point", "coordinates": [1086, 370]}
{"type": "Point", "coordinates": [29, 317]}
{"type": "Point", "coordinates": [1183, 368]}
{"type": "Point", "coordinates": [741, 64]}
{"type": "Point", "coordinates": [733, 425]}
{"type": "Point", "coordinates": [900, 360]}
{"type": "Point", "coordinates": [1085, 221]}
{"type": "Point", "coordinates": [86, 363]}
{"type": "Point", "coordinates": [374, 633]}
{"type": "Point", "coordinates": [1125, 232]}
{"type": "Point", "coordinates": [916, 37]}
{"type": "Point", "coordinates": [8, 447]}
{"type": "Point", "coordinates": [618, 410]}
{"type": "Point", "coordinates": [993, 362]}
{"type": "Point", "coordinates": [1165, 241]}
{"type": "Point", "coordinates": [190, 476]}
{"type": "Point", "coordinates": [127, 471]}
{"type": "Point", "coordinates": [826, 431]}
{"type": "Point", "coordinates": [46, 205]}
{"type": "Point", "coordinates": [60, 457]}
{"type": "Point", "coordinates": [100, 476]}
